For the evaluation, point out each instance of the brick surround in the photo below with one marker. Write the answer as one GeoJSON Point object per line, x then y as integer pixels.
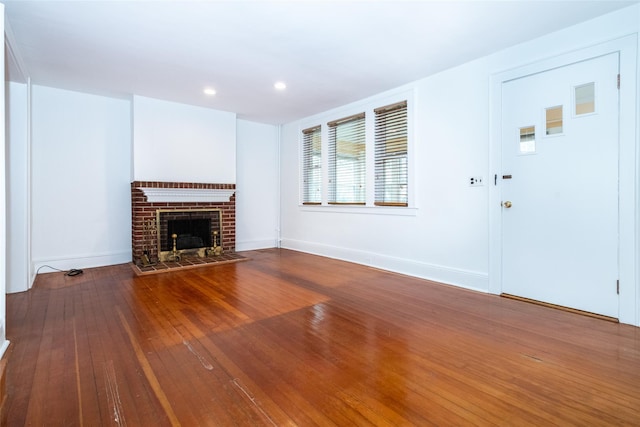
{"type": "Point", "coordinates": [143, 214]}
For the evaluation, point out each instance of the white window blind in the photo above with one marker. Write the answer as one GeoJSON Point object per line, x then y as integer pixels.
{"type": "Point", "coordinates": [311, 166]}
{"type": "Point", "coordinates": [391, 175]}
{"type": "Point", "coordinates": [347, 160]}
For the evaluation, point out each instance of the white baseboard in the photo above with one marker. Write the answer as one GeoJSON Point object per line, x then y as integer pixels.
{"type": "Point", "coordinates": [41, 265]}
{"type": "Point", "coordinates": [4, 347]}
{"type": "Point", "coordinates": [256, 244]}
{"type": "Point", "coordinates": [451, 276]}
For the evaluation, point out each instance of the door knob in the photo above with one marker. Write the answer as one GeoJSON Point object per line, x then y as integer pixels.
{"type": "Point", "coordinates": [507, 204]}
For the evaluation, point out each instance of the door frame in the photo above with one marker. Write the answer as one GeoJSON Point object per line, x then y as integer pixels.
{"type": "Point", "coordinates": [628, 167]}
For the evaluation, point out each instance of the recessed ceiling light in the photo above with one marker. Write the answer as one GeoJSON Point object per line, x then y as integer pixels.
{"type": "Point", "coordinates": [209, 91]}
{"type": "Point", "coordinates": [280, 85]}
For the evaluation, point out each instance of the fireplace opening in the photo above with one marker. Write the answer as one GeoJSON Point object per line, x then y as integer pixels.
{"type": "Point", "coordinates": [197, 231]}
{"type": "Point", "coordinates": [191, 233]}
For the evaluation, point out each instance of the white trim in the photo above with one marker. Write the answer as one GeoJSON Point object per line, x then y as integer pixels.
{"type": "Point", "coordinates": [187, 195]}
{"type": "Point", "coordinates": [29, 211]}
{"type": "Point", "coordinates": [473, 280]}
{"type": "Point", "coordinates": [348, 209]}
{"type": "Point", "coordinates": [252, 245]}
{"type": "Point", "coordinates": [4, 347]}
{"type": "Point", "coordinates": [12, 51]}
{"type": "Point", "coordinates": [279, 190]}
{"type": "Point", "coordinates": [629, 298]}
{"type": "Point", "coordinates": [80, 261]}
{"type": "Point", "coordinates": [3, 204]}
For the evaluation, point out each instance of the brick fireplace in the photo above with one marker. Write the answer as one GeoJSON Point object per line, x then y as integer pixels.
{"type": "Point", "coordinates": [154, 203]}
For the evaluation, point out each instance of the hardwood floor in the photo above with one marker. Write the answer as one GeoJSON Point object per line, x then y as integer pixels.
{"type": "Point", "coordinates": [290, 339]}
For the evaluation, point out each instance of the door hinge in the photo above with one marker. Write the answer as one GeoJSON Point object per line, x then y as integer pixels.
{"type": "Point", "coordinates": [618, 81]}
{"type": "Point", "coordinates": [618, 286]}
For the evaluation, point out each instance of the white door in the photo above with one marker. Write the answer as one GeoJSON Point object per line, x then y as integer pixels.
{"type": "Point", "coordinates": [560, 186]}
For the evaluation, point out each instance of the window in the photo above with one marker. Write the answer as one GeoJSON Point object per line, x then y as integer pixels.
{"type": "Point", "coordinates": [554, 120]}
{"type": "Point", "coordinates": [391, 155]}
{"type": "Point", "coordinates": [311, 166]}
{"type": "Point", "coordinates": [347, 160]}
{"type": "Point", "coordinates": [528, 140]}
{"type": "Point", "coordinates": [585, 98]}
{"type": "Point", "coordinates": [358, 158]}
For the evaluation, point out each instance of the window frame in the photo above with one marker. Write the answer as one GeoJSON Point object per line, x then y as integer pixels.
{"type": "Point", "coordinates": [391, 144]}
{"type": "Point", "coordinates": [309, 164]}
{"type": "Point", "coordinates": [354, 128]}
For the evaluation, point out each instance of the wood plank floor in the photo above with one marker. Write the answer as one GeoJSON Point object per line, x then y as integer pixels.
{"type": "Point", "coordinates": [291, 339]}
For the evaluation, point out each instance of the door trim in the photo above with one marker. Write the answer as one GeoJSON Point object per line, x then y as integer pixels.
{"type": "Point", "coordinates": [628, 161]}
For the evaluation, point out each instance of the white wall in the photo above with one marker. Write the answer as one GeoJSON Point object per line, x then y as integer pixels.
{"type": "Point", "coordinates": [81, 163]}
{"type": "Point", "coordinates": [18, 277]}
{"type": "Point", "coordinates": [448, 238]}
{"type": "Point", "coordinates": [257, 189]}
{"type": "Point", "coordinates": [444, 237]}
{"type": "Point", "coordinates": [181, 143]}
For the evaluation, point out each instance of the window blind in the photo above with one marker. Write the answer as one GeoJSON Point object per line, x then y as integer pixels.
{"type": "Point", "coordinates": [391, 175]}
{"type": "Point", "coordinates": [311, 166]}
{"type": "Point", "coordinates": [347, 160]}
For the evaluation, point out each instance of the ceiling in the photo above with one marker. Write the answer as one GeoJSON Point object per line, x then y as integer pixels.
{"type": "Point", "coordinates": [329, 53]}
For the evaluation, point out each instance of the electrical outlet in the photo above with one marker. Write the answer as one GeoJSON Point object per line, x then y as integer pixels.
{"type": "Point", "coordinates": [475, 181]}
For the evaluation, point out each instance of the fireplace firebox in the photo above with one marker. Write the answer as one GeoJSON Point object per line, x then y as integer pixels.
{"type": "Point", "coordinates": [188, 232]}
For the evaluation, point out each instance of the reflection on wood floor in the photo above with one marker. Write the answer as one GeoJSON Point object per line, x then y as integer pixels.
{"type": "Point", "coordinates": [289, 339]}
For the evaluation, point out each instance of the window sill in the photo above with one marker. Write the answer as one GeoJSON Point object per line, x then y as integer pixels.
{"type": "Point", "coordinates": [367, 210]}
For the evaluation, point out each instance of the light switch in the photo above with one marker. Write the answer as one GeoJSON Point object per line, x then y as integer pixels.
{"type": "Point", "coordinates": [475, 181]}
